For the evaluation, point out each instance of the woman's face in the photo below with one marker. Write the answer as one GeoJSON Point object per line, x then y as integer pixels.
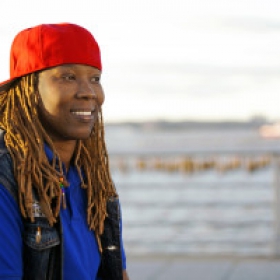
{"type": "Point", "coordinates": [70, 97]}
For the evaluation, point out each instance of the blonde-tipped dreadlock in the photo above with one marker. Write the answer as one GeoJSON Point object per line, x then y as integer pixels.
{"type": "Point", "coordinates": [25, 137]}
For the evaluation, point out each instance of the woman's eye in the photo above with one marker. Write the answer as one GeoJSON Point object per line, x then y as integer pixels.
{"type": "Point", "coordinates": [95, 79]}
{"type": "Point", "coordinates": [68, 77]}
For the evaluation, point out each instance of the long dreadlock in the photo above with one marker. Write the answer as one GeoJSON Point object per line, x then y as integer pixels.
{"type": "Point", "coordinates": [25, 137]}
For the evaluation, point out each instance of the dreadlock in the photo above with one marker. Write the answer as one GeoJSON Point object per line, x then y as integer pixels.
{"type": "Point", "coordinates": [25, 137]}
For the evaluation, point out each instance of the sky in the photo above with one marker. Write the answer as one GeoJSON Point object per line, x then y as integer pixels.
{"type": "Point", "coordinates": [171, 60]}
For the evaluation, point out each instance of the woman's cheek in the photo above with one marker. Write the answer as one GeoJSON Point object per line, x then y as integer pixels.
{"type": "Point", "coordinates": [101, 97]}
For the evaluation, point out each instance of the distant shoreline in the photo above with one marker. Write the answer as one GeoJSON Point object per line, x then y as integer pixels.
{"type": "Point", "coordinates": [186, 125]}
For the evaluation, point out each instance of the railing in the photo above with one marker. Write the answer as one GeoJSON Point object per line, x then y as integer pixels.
{"type": "Point", "coordinates": [193, 165]}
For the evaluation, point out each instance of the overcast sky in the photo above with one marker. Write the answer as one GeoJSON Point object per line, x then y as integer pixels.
{"type": "Point", "coordinates": [172, 60]}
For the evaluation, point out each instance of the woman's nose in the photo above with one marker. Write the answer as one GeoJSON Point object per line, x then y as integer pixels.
{"type": "Point", "coordinates": [86, 90]}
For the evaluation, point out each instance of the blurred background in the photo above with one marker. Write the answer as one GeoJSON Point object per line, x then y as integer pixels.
{"type": "Point", "coordinates": [185, 60]}
{"type": "Point", "coordinates": [191, 117]}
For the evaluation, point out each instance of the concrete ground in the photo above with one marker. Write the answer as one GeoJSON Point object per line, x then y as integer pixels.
{"type": "Point", "coordinates": [165, 268]}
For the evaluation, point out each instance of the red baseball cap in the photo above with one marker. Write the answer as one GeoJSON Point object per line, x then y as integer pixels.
{"type": "Point", "coordinates": [48, 45]}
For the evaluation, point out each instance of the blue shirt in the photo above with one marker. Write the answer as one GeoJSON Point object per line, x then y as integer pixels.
{"type": "Point", "coordinates": [81, 254]}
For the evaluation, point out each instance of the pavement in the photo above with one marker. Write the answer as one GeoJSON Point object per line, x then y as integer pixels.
{"type": "Point", "coordinates": [197, 268]}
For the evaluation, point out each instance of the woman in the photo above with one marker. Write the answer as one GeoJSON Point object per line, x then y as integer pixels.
{"type": "Point", "coordinates": [58, 205]}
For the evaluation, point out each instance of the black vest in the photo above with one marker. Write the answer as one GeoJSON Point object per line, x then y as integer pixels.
{"type": "Point", "coordinates": [43, 260]}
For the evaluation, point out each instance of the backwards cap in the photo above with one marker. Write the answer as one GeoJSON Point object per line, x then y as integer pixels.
{"type": "Point", "coordinates": [49, 45]}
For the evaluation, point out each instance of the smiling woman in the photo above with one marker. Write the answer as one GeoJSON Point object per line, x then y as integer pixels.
{"type": "Point", "coordinates": [59, 209]}
{"type": "Point", "coordinates": [73, 95]}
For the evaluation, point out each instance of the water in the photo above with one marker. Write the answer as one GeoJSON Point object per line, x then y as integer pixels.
{"type": "Point", "coordinates": [194, 213]}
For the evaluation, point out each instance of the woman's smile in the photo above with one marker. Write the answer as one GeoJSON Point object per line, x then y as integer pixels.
{"type": "Point", "coordinates": [84, 115]}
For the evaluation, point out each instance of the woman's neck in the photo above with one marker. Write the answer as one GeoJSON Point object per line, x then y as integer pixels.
{"type": "Point", "coordinates": [65, 151]}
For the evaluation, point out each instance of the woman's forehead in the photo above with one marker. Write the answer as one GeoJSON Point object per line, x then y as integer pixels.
{"type": "Point", "coordinates": [74, 67]}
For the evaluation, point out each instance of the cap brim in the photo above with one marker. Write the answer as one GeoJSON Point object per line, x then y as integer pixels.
{"type": "Point", "coordinates": [4, 86]}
